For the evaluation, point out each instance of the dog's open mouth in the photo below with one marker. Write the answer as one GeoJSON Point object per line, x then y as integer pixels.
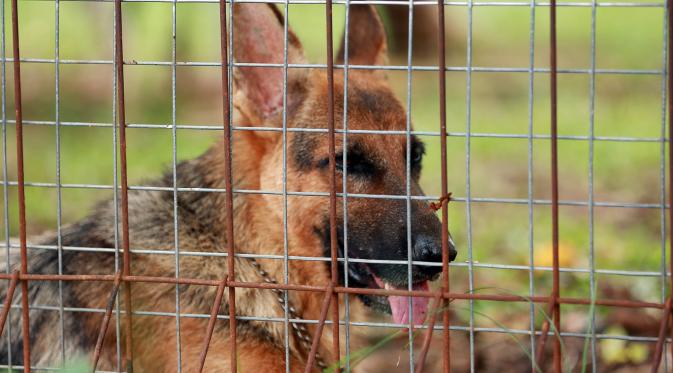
{"type": "Point", "coordinates": [402, 308]}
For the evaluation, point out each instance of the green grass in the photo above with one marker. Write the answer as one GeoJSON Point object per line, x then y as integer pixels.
{"type": "Point", "coordinates": [77, 366]}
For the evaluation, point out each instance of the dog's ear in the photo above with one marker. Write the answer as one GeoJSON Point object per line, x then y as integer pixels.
{"type": "Point", "coordinates": [259, 38]}
{"type": "Point", "coordinates": [366, 37]}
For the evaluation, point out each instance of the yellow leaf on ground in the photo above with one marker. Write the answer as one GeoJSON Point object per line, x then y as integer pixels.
{"type": "Point", "coordinates": [567, 255]}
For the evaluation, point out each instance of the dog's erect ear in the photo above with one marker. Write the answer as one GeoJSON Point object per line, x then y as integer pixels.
{"type": "Point", "coordinates": [366, 37]}
{"type": "Point", "coordinates": [259, 38]}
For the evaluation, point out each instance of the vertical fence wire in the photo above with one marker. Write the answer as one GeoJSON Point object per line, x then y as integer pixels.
{"type": "Point", "coordinates": [592, 256]}
{"type": "Point", "coordinates": [115, 198]}
{"type": "Point", "coordinates": [115, 194]}
{"type": "Point", "coordinates": [468, 174]}
{"type": "Point", "coordinates": [667, 111]}
{"type": "Point", "coordinates": [21, 192]}
{"type": "Point", "coordinates": [229, 198]}
{"type": "Point", "coordinates": [286, 276]}
{"type": "Point", "coordinates": [669, 77]}
{"type": "Point", "coordinates": [332, 182]}
{"type": "Point", "coordinates": [344, 190]}
{"type": "Point", "coordinates": [441, 75]}
{"type": "Point", "coordinates": [662, 167]}
{"type": "Point", "coordinates": [5, 180]}
{"type": "Point", "coordinates": [554, 304]}
{"type": "Point", "coordinates": [121, 124]}
{"type": "Point", "coordinates": [554, 188]}
{"type": "Point", "coordinates": [174, 141]}
{"type": "Point", "coordinates": [531, 233]}
{"type": "Point", "coordinates": [59, 204]}
{"type": "Point", "coordinates": [407, 191]}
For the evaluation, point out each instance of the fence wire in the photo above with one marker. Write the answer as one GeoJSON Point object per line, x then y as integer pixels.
{"type": "Point", "coordinates": [119, 303]}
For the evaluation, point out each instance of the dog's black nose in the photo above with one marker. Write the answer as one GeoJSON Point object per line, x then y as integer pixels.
{"type": "Point", "coordinates": [429, 249]}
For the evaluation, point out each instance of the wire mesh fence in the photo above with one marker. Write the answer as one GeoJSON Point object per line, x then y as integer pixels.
{"type": "Point", "coordinates": [116, 315]}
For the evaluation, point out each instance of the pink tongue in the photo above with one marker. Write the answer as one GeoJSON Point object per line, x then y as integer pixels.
{"type": "Point", "coordinates": [400, 305]}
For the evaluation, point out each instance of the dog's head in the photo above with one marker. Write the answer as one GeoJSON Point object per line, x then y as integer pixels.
{"type": "Point", "coordinates": [395, 228]}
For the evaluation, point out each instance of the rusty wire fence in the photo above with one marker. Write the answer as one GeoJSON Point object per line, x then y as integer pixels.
{"type": "Point", "coordinates": [439, 322]}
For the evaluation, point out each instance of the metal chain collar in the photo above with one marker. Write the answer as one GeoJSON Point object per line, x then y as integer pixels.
{"type": "Point", "coordinates": [300, 330]}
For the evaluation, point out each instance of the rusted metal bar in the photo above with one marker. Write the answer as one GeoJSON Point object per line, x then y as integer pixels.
{"type": "Point", "coordinates": [669, 78]}
{"type": "Point", "coordinates": [556, 292]}
{"type": "Point", "coordinates": [25, 317]}
{"type": "Point", "coordinates": [172, 280]}
{"type": "Point", "coordinates": [8, 300]}
{"type": "Point", "coordinates": [333, 185]}
{"type": "Point", "coordinates": [229, 197]}
{"type": "Point", "coordinates": [661, 339]}
{"type": "Point", "coordinates": [121, 118]}
{"type": "Point", "coordinates": [329, 293]}
{"type": "Point", "coordinates": [214, 311]}
{"type": "Point", "coordinates": [428, 334]}
{"type": "Point", "coordinates": [502, 298]}
{"type": "Point", "coordinates": [539, 356]}
{"type": "Point", "coordinates": [441, 54]}
{"type": "Point", "coordinates": [106, 321]}
{"type": "Point", "coordinates": [623, 303]}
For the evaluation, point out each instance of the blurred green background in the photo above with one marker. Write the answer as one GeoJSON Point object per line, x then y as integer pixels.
{"type": "Point", "coordinates": [626, 105]}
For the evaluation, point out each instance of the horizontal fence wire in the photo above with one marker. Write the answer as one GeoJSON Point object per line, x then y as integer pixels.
{"type": "Point", "coordinates": [394, 2]}
{"type": "Point", "coordinates": [518, 201]}
{"type": "Point", "coordinates": [420, 68]}
{"type": "Point", "coordinates": [329, 315]}
{"type": "Point", "coordinates": [476, 264]}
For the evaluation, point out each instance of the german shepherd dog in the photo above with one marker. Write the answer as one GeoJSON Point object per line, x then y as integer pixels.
{"type": "Point", "coordinates": [377, 229]}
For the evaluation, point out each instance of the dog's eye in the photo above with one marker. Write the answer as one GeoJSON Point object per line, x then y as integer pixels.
{"type": "Point", "coordinates": [417, 152]}
{"type": "Point", "coordinates": [417, 157]}
{"type": "Point", "coordinates": [355, 164]}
